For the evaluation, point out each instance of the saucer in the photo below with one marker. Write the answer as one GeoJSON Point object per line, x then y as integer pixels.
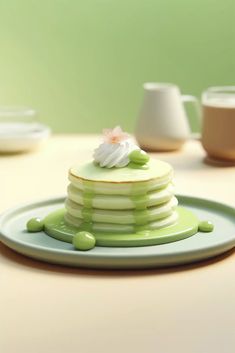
{"type": "Point", "coordinates": [218, 162]}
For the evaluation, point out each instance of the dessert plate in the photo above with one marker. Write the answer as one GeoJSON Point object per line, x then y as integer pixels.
{"type": "Point", "coordinates": [195, 248]}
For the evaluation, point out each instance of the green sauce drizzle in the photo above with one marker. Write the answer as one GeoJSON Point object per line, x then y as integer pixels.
{"type": "Point", "coordinates": [138, 189]}
{"type": "Point", "coordinates": [87, 199]}
{"type": "Point", "coordinates": [186, 226]}
{"type": "Point", "coordinates": [141, 217]}
{"type": "Point", "coordinates": [88, 195]}
{"type": "Point", "coordinates": [140, 201]}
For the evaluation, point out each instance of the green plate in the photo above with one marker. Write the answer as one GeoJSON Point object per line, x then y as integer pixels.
{"type": "Point", "coordinates": [195, 248]}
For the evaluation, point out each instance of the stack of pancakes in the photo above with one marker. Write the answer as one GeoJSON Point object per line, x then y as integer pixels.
{"type": "Point", "coordinates": [121, 200]}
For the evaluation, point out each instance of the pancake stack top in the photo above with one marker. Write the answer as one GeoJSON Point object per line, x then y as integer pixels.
{"type": "Point", "coordinates": [122, 190]}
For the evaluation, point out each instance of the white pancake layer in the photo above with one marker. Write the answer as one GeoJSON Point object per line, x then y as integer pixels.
{"type": "Point", "coordinates": [123, 228]}
{"type": "Point", "coordinates": [121, 202]}
{"type": "Point", "coordinates": [151, 214]}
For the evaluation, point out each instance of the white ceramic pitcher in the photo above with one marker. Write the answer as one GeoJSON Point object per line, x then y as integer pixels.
{"type": "Point", "coordinates": [162, 124]}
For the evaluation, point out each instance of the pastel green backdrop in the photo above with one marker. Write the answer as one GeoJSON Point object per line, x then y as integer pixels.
{"type": "Point", "coordinates": [81, 63]}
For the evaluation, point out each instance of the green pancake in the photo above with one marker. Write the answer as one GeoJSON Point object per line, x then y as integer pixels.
{"type": "Point", "coordinates": [154, 169]}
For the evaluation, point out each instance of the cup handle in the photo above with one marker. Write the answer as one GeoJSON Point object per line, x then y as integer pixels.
{"type": "Point", "coordinates": [192, 99]}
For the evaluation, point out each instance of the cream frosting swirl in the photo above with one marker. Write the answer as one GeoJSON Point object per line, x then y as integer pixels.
{"type": "Point", "coordinates": [114, 154]}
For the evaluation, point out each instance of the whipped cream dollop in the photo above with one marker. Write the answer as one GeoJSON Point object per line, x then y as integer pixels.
{"type": "Point", "coordinates": [114, 154]}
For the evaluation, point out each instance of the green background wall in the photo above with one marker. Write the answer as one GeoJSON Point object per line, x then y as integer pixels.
{"type": "Point", "coordinates": [81, 63]}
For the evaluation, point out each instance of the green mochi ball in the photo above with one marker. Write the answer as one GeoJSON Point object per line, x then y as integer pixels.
{"type": "Point", "coordinates": [205, 226]}
{"type": "Point", "coordinates": [139, 157]}
{"type": "Point", "coordinates": [35, 225]}
{"type": "Point", "coordinates": [84, 241]}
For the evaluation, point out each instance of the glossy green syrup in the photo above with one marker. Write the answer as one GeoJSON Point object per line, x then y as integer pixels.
{"type": "Point", "coordinates": [186, 226]}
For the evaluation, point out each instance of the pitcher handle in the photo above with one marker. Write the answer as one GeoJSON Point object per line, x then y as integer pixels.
{"type": "Point", "coordinates": [192, 99]}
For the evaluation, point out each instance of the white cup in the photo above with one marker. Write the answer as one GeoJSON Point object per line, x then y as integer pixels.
{"type": "Point", "coordinates": [162, 123]}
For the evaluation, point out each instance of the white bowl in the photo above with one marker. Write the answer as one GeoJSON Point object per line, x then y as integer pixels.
{"type": "Point", "coordinates": [22, 136]}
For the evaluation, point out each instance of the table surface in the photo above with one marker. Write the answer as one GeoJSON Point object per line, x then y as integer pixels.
{"type": "Point", "coordinates": [48, 308]}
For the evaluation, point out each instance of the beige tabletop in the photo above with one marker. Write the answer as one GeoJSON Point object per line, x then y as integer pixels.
{"type": "Point", "coordinates": [53, 309]}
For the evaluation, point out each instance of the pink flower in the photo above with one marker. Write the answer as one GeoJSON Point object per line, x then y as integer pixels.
{"type": "Point", "coordinates": [115, 135]}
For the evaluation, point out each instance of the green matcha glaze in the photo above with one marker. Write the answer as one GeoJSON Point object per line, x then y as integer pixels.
{"type": "Point", "coordinates": [141, 217]}
{"type": "Point", "coordinates": [140, 202]}
{"type": "Point", "coordinates": [205, 226]}
{"type": "Point", "coordinates": [35, 225]}
{"type": "Point", "coordinates": [138, 190]}
{"type": "Point", "coordinates": [139, 157]}
{"type": "Point", "coordinates": [138, 166]}
{"type": "Point", "coordinates": [88, 186]}
{"type": "Point", "coordinates": [84, 241]}
{"type": "Point", "coordinates": [186, 226]}
{"type": "Point", "coordinates": [87, 214]}
{"type": "Point", "coordinates": [87, 199]}
{"type": "Point", "coordinates": [88, 194]}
